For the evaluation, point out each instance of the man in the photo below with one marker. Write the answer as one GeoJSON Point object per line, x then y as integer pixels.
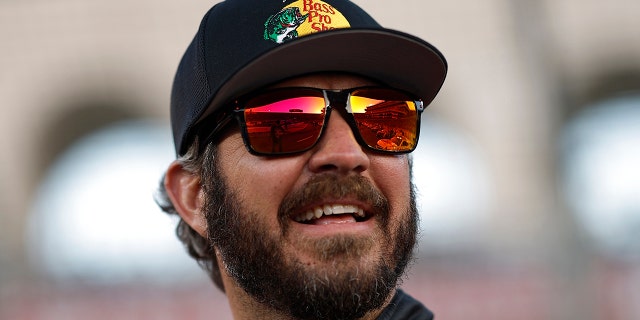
{"type": "Point", "coordinates": [322, 225]}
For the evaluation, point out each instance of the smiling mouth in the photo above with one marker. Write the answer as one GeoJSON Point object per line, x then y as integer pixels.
{"type": "Point", "coordinates": [347, 213]}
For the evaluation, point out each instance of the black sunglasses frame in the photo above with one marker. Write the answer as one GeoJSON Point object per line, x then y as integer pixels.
{"type": "Point", "coordinates": [334, 99]}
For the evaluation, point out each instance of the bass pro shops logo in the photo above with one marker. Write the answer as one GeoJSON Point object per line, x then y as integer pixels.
{"type": "Point", "coordinates": [301, 18]}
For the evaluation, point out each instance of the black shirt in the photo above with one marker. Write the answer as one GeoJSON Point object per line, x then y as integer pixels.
{"type": "Point", "coordinates": [404, 307]}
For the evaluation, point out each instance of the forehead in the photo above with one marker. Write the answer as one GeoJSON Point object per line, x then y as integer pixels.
{"type": "Point", "coordinates": [326, 80]}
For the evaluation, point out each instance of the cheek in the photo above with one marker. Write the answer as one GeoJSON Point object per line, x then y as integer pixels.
{"type": "Point", "coordinates": [261, 183]}
{"type": "Point", "coordinates": [270, 179]}
{"type": "Point", "coordinates": [391, 175]}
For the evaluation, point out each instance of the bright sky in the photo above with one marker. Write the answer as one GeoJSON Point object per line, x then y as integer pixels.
{"type": "Point", "coordinates": [95, 214]}
{"type": "Point", "coordinates": [601, 150]}
{"type": "Point", "coordinates": [453, 186]}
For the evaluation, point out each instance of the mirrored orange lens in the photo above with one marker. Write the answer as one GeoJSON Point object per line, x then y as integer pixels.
{"type": "Point", "coordinates": [386, 119]}
{"type": "Point", "coordinates": [290, 121]}
{"type": "Point", "coordinates": [285, 122]}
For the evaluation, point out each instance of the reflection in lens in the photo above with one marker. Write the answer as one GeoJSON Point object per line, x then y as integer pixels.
{"type": "Point", "coordinates": [285, 126]}
{"type": "Point", "coordinates": [291, 120]}
{"type": "Point", "coordinates": [387, 120]}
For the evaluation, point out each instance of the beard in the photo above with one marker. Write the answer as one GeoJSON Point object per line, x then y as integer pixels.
{"type": "Point", "coordinates": [354, 274]}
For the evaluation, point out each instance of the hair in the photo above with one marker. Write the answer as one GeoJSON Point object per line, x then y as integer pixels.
{"type": "Point", "coordinates": [198, 247]}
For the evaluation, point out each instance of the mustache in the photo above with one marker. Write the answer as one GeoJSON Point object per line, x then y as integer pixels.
{"type": "Point", "coordinates": [334, 186]}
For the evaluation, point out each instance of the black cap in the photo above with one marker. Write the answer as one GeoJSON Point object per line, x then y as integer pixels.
{"type": "Point", "coordinates": [243, 45]}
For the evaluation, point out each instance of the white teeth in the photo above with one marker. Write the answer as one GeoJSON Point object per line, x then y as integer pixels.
{"type": "Point", "coordinates": [350, 208]}
{"type": "Point", "coordinates": [318, 212]}
{"type": "Point", "coordinates": [328, 210]}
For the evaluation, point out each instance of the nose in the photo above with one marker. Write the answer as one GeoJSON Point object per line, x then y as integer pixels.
{"type": "Point", "coordinates": [338, 150]}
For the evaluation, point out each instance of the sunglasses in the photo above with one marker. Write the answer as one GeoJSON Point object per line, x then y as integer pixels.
{"type": "Point", "coordinates": [286, 121]}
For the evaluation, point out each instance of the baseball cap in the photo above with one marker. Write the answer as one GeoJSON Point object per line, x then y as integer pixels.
{"type": "Point", "coordinates": [244, 45]}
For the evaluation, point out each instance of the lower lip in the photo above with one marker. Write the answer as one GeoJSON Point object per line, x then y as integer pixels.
{"type": "Point", "coordinates": [333, 225]}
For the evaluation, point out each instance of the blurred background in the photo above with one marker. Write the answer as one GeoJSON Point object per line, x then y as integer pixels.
{"type": "Point", "coordinates": [528, 167]}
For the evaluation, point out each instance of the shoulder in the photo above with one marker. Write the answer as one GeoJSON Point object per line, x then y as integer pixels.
{"type": "Point", "coordinates": [405, 307]}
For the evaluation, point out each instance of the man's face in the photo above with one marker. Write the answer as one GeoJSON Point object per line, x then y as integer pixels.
{"type": "Point", "coordinates": [325, 233]}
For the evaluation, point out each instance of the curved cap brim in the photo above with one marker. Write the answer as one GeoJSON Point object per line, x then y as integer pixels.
{"type": "Point", "coordinates": [392, 57]}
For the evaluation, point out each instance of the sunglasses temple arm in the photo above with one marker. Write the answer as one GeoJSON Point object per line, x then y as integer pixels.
{"type": "Point", "coordinates": [219, 126]}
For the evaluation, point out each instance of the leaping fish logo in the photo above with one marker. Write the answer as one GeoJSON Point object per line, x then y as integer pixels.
{"type": "Point", "coordinates": [282, 26]}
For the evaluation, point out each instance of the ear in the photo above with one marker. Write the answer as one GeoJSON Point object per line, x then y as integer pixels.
{"type": "Point", "coordinates": [185, 191]}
